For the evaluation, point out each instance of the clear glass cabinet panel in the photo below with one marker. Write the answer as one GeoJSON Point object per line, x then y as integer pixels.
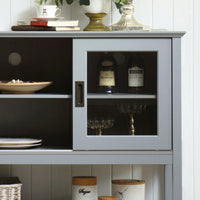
{"type": "Point", "coordinates": [127, 110]}
{"type": "Point", "coordinates": [123, 94]}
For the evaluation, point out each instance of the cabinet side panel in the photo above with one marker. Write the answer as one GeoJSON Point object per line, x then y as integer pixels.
{"type": "Point", "coordinates": [61, 182]}
{"type": "Point", "coordinates": [177, 115]}
{"type": "Point", "coordinates": [41, 182]}
{"type": "Point", "coordinates": [23, 172]}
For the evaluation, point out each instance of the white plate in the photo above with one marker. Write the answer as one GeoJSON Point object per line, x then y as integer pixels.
{"type": "Point", "coordinates": [48, 18]}
{"type": "Point", "coordinates": [20, 146]}
{"type": "Point", "coordinates": [18, 141]}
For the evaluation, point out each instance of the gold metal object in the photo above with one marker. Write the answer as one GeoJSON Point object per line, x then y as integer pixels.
{"type": "Point", "coordinates": [96, 23]}
{"type": "Point", "coordinates": [132, 128]}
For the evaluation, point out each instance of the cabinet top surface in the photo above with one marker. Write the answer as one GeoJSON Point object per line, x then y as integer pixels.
{"type": "Point", "coordinates": [96, 34]}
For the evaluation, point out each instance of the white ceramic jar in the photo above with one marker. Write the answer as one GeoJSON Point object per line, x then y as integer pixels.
{"type": "Point", "coordinates": [84, 188]}
{"type": "Point", "coordinates": [128, 189]}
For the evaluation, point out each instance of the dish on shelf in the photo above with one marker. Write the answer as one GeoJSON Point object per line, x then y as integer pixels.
{"type": "Point", "coordinates": [47, 18]}
{"type": "Point", "coordinates": [19, 141]}
{"type": "Point", "coordinates": [21, 87]}
{"type": "Point", "coordinates": [18, 146]}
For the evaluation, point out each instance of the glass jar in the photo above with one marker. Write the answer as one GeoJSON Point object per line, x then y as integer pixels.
{"type": "Point", "coordinates": [127, 21]}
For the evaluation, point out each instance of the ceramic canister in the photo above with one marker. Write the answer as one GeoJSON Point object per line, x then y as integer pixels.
{"type": "Point", "coordinates": [84, 188]}
{"type": "Point", "coordinates": [107, 198]}
{"type": "Point", "coordinates": [128, 189]}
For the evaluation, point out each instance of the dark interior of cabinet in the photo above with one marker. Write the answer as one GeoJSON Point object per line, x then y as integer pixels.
{"type": "Point", "coordinates": [145, 121]}
{"type": "Point", "coordinates": [48, 119]}
{"type": "Point", "coordinates": [122, 59]}
{"type": "Point", "coordinates": [42, 59]}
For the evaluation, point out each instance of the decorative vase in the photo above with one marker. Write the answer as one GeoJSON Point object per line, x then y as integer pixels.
{"type": "Point", "coordinates": [127, 21]}
{"type": "Point", "coordinates": [96, 11]}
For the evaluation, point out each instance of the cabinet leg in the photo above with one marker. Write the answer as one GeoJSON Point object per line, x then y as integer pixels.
{"type": "Point", "coordinates": [168, 182]}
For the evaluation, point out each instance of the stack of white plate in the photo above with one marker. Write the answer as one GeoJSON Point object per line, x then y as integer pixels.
{"type": "Point", "coordinates": [19, 142]}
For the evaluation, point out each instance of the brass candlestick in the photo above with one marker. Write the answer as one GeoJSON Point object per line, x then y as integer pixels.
{"type": "Point", "coordinates": [96, 22]}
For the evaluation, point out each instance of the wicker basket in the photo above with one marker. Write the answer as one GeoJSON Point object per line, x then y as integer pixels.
{"type": "Point", "coordinates": [10, 188]}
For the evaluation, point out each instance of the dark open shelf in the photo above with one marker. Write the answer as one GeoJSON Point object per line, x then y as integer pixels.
{"type": "Point", "coordinates": [48, 119]}
{"type": "Point", "coordinates": [42, 59]}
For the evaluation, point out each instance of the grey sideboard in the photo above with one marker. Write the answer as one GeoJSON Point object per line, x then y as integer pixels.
{"type": "Point", "coordinates": [59, 113]}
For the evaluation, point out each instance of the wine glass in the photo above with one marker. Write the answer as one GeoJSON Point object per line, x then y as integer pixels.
{"type": "Point", "coordinates": [131, 109]}
{"type": "Point", "coordinates": [100, 124]}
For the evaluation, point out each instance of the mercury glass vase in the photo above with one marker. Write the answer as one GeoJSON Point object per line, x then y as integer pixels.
{"type": "Point", "coordinates": [127, 21]}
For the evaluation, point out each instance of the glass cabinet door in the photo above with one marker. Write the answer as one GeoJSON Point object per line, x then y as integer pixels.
{"type": "Point", "coordinates": [122, 94]}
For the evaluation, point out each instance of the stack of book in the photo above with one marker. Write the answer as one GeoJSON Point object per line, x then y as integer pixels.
{"type": "Point", "coordinates": [60, 25]}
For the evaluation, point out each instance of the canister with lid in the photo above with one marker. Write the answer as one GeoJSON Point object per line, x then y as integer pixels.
{"type": "Point", "coordinates": [84, 188]}
{"type": "Point", "coordinates": [107, 198]}
{"type": "Point", "coordinates": [128, 189]}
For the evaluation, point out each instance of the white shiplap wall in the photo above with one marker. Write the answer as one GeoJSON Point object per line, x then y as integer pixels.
{"type": "Point", "coordinates": [169, 14]}
{"type": "Point", "coordinates": [53, 182]}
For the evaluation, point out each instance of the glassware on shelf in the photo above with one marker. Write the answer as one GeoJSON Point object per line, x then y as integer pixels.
{"type": "Point", "coordinates": [100, 124]}
{"type": "Point", "coordinates": [127, 21]}
{"type": "Point", "coordinates": [131, 109]}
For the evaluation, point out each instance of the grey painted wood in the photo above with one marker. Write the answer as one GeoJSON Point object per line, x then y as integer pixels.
{"type": "Point", "coordinates": [81, 141]}
{"type": "Point", "coordinates": [86, 158]}
{"type": "Point", "coordinates": [177, 122]}
{"type": "Point", "coordinates": [168, 182]}
{"type": "Point", "coordinates": [97, 34]}
{"type": "Point", "coordinates": [172, 159]}
{"type": "Point", "coordinates": [121, 96]}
